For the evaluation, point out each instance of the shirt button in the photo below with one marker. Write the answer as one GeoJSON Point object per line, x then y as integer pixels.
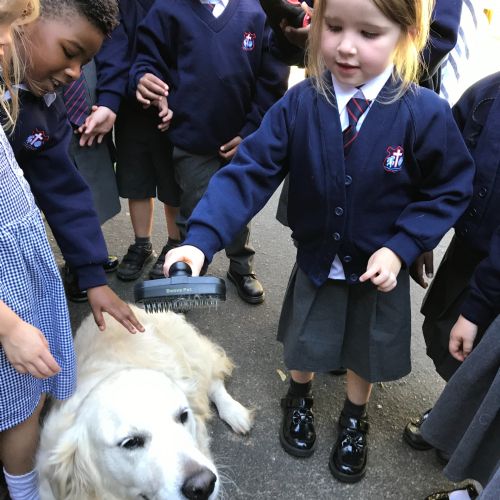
{"type": "Point", "coordinates": [336, 236]}
{"type": "Point", "coordinates": [482, 192]}
{"type": "Point", "coordinates": [348, 180]}
{"type": "Point", "coordinates": [347, 259]}
{"type": "Point", "coordinates": [353, 277]}
{"type": "Point", "coordinates": [339, 211]}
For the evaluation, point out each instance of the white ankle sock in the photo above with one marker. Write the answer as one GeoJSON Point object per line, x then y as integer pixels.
{"type": "Point", "coordinates": [459, 495]}
{"type": "Point", "coordinates": [23, 487]}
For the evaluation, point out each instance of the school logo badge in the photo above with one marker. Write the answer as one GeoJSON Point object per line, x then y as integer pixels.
{"type": "Point", "coordinates": [248, 41]}
{"type": "Point", "coordinates": [36, 140]}
{"type": "Point", "coordinates": [393, 162]}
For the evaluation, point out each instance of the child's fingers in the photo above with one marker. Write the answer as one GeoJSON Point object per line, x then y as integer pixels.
{"type": "Point", "coordinates": [141, 99]}
{"type": "Point", "coordinates": [369, 273]}
{"type": "Point", "coordinates": [99, 318]}
{"type": "Point", "coordinates": [455, 348]}
{"type": "Point", "coordinates": [49, 364]}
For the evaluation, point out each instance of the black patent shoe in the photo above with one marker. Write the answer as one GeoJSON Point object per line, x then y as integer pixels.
{"type": "Point", "coordinates": [445, 495]}
{"type": "Point", "coordinates": [297, 434]}
{"type": "Point", "coordinates": [111, 264]}
{"type": "Point", "coordinates": [412, 434]}
{"type": "Point", "coordinates": [339, 371]}
{"type": "Point", "coordinates": [350, 453]}
{"type": "Point", "coordinates": [70, 281]}
{"type": "Point", "coordinates": [248, 287]}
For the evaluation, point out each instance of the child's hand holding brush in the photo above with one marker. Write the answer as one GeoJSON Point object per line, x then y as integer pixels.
{"type": "Point", "coordinates": [192, 256]}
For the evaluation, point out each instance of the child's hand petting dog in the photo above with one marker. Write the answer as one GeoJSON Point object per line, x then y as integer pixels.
{"type": "Point", "coordinates": [382, 269]}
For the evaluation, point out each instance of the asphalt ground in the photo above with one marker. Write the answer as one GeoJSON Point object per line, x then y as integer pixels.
{"type": "Point", "coordinates": [255, 466]}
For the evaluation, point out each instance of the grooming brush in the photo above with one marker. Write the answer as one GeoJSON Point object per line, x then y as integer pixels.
{"type": "Point", "coordinates": [276, 10]}
{"type": "Point", "coordinates": [181, 292]}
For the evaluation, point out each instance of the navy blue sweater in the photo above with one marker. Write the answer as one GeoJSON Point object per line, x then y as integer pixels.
{"type": "Point", "coordinates": [221, 74]}
{"type": "Point", "coordinates": [114, 59]}
{"type": "Point", "coordinates": [41, 146]}
{"type": "Point", "coordinates": [347, 208]}
{"type": "Point", "coordinates": [478, 116]}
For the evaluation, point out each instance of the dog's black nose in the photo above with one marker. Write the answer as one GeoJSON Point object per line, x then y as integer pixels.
{"type": "Point", "coordinates": [200, 484]}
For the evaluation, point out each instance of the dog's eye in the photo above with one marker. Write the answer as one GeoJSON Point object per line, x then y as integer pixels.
{"type": "Point", "coordinates": [130, 443]}
{"type": "Point", "coordinates": [183, 416]}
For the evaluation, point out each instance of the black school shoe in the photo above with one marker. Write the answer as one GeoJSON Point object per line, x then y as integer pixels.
{"type": "Point", "coordinates": [297, 433]}
{"type": "Point", "coordinates": [134, 261]}
{"type": "Point", "coordinates": [156, 272]}
{"type": "Point", "coordinates": [248, 287]}
{"type": "Point", "coordinates": [445, 495]}
{"type": "Point", "coordinates": [412, 434]}
{"type": "Point", "coordinates": [350, 453]}
{"type": "Point", "coordinates": [70, 281]}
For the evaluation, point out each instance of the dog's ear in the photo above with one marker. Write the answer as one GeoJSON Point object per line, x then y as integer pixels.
{"type": "Point", "coordinates": [70, 470]}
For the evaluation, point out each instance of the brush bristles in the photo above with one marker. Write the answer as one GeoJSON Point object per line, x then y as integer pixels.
{"type": "Point", "coordinates": [180, 304]}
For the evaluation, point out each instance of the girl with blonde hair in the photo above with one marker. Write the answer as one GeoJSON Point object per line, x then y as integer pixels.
{"type": "Point", "coordinates": [378, 173]}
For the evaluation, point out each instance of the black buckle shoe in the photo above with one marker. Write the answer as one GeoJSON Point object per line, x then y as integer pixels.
{"type": "Point", "coordinates": [70, 281]}
{"type": "Point", "coordinates": [350, 453]}
{"type": "Point", "coordinates": [134, 261]}
{"type": "Point", "coordinates": [339, 371]}
{"type": "Point", "coordinates": [156, 272]}
{"type": "Point", "coordinates": [248, 287]}
{"type": "Point", "coordinates": [445, 495]}
{"type": "Point", "coordinates": [111, 264]}
{"type": "Point", "coordinates": [297, 434]}
{"type": "Point", "coordinates": [412, 434]}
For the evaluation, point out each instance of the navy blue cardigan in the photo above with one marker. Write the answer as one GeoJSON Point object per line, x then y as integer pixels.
{"type": "Point", "coordinates": [478, 116]}
{"type": "Point", "coordinates": [407, 179]}
{"type": "Point", "coordinates": [221, 74]}
{"type": "Point", "coordinates": [41, 146]}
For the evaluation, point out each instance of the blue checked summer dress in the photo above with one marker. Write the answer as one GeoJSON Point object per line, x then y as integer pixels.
{"type": "Point", "coordinates": [31, 286]}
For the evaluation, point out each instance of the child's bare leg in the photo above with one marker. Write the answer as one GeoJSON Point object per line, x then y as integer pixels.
{"type": "Point", "coordinates": [170, 216]}
{"type": "Point", "coordinates": [141, 215]}
{"type": "Point", "coordinates": [18, 445]}
{"type": "Point", "coordinates": [297, 433]}
{"type": "Point", "coordinates": [358, 389]}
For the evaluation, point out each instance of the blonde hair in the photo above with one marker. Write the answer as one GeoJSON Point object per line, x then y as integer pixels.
{"type": "Point", "coordinates": [12, 68]}
{"type": "Point", "coordinates": [412, 16]}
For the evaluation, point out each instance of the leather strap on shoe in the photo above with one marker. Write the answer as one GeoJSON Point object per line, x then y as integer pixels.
{"type": "Point", "coordinates": [353, 423]}
{"type": "Point", "coordinates": [291, 402]}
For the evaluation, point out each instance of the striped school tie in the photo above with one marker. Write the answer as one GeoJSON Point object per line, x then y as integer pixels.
{"type": "Point", "coordinates": [356, 106]}
{"type": "Point", "coordinates": [75, 98]}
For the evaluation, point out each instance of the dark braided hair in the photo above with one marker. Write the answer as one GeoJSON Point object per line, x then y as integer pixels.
{"type": "Point", "coordinates": [103, 14]}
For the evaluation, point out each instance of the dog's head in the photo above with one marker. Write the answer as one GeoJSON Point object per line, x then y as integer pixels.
{"type": "Point", "coordinates": [134, 436]}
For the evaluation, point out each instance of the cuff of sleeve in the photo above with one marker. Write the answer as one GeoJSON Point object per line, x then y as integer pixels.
{"type": "Point", "coordinates": [476, 311]}
{"type": "Point", "coordinates": [91, 276]}
{"type": "Point", "coordinates": [110, 100]}
{"type": "Point", "coordinates": [404, 247]}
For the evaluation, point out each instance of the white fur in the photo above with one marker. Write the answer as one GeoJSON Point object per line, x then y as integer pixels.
{"type": "Point", "coordinates": [124, 434]}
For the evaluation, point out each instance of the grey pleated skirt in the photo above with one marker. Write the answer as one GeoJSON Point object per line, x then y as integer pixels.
{"type": "Point", "coordinates": [465, 421]}
{"type": "Point", "coordinates": [354, 326]}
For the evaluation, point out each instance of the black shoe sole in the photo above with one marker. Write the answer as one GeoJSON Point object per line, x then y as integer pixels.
{"type": "Point", "coordinates": [132, 277]}
{"type": "Point", "coordinates": [416, 446]}
{"type": "Point", "coordinates": [346, 478]}
{"type": "Point", "coordinates": [291, 450]}
{"type": "Point", "coordinates": [248, 299]}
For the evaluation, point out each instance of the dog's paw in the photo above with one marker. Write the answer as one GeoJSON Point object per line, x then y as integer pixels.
{"type": "Point", "coordinates": [239, 418]}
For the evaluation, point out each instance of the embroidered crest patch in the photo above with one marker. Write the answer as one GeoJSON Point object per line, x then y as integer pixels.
{"type": "Point", "coordinates": [248, 41]}
{"type": "Point", "coordinates": [36, 139]}
{"type": "Point", "coordinates": [393, 162]}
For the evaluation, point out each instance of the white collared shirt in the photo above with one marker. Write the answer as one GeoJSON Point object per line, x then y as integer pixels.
{"type": "Point", "coordinates": [343, 93]}
{"type": "Point", "coordinates": [219, 6]}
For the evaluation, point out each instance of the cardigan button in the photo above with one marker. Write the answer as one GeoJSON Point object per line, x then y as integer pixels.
{"type": "Point", "coordinates": [482, 192]}
{"type": "Point", "coordinates": [348, 180]}
{"type": "Point", "coordinates": [347, 259]}
{"type": "Point", "coordinates": [336, 236]}
{"type": "Point", "coordinates": [472, 212]}
{"type": "Point", "coordinates": [339, 211]}
{"type": "Point", "coordinates": [353, 277]}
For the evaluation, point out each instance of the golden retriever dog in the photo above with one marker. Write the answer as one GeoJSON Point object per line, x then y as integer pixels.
{"type": "Point", "coordinates": [136, 426]}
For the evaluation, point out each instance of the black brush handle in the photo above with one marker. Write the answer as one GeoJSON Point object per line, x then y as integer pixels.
{"type": "Point", "coordinates": [179, 269]}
